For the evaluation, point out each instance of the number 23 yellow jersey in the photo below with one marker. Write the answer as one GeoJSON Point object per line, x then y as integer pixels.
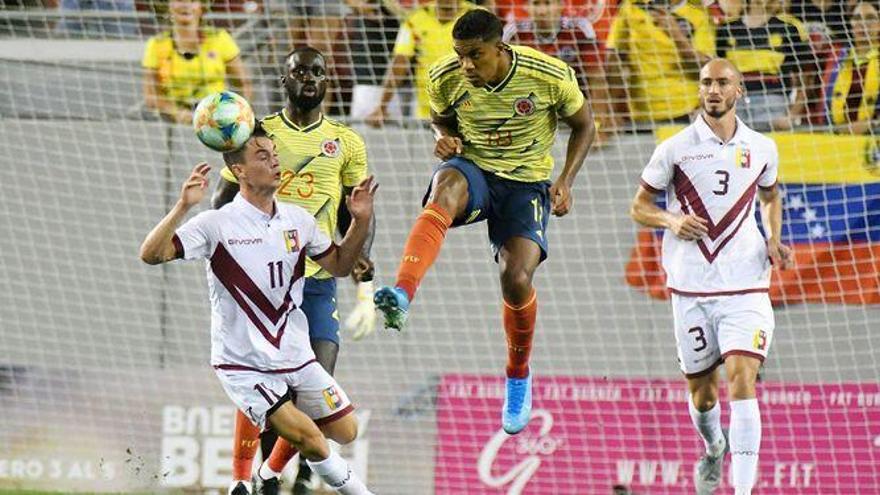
{"type": "Point", "coordinates": [317, 161]}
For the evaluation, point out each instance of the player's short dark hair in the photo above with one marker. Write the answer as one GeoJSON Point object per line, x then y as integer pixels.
{"type": "Point", "coordinates": [237, 156]}
{"type": "Point", "coordinates": [478, 24]}
{"type": "Point", "coordinates": [301, 49]}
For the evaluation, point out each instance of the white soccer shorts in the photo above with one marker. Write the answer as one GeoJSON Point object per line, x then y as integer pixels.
{"type": "Point", "coordinates": [258, 394]}
{"type": "Point", "coordinates": [708, 329]}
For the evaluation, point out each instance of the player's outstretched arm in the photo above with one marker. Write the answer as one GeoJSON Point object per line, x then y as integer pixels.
{"type": "Point", "coordinates": [360, 206]}
{"type": "Point", "coordinates": [646, 212]}
{"type": "Point", "coordinates": [158, 247]}
{"type": "Point", "coordinates": [224, 193]}
{"type": "Point", "coordinates": [583, 130]}
{"type": "Point", "coordinates": [771, 217]}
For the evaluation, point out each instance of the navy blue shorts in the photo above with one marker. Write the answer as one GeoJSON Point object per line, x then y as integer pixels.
{"type": "Point", "coordinates": [511, 208]}
{"type": "Point", "coordinates": [319, 305]}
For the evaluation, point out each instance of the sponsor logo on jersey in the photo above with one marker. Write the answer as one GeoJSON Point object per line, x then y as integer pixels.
{"type": "Point", "coordinates": [330, 148]}
{"type": "Point", "coordinates": [524, 106]}
{"type": "Point", "coordinates": [291, 240]}
{"type": "Point", "coordinates": [332, 398]}
{"type": "Point", "coordinates": [759, 341]}
{"type": "Point", "coordinates": [244, 242]}
{"type": "Point", "coordinates": [743, 157]}
{"type": "Point", "coordinates": [697, 157]}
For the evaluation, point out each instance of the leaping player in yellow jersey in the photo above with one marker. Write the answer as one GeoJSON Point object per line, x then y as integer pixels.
{"type": "Point", "coordinates": [494, 109]}
{"type": "Point", "coordinates": [321, 162]}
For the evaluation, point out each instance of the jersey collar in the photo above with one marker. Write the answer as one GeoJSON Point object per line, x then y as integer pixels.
{"type": "Point", "coordinates": [508, 77]}
{"type": "Point", "coordinates": [705, 133]}
{"type": "Point", "coordinates": [251, 212]}
{"type": "Point", "coordinates": [314, 125]}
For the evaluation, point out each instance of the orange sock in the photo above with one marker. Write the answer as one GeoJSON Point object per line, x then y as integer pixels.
{"type": "Point", "coordinates": [519, 325]}
{"type": "Point", "coordinates": [422, 247]}
{"type": "Point", "coordinates": [244, 448]}
{"type": "Point", "coordinates": [282, 453]}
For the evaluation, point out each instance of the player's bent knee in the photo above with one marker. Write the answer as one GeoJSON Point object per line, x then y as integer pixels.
{"type": "Point", "coordinates": [311, 444]}
{"type": "Point", "coordinates": [704, 391]}
{"type": "Point", "coordinates": [295, 427]}
{"type": "Point", "coordinates": [516, 284]}
{"type": "Point", "coordinates": [342, 431]}
{"type": "Point", "coordinates": [704, 402]}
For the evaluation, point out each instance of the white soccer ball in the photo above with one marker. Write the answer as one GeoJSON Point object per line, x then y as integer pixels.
{"type": "Point", "coordinates": [223, 121]}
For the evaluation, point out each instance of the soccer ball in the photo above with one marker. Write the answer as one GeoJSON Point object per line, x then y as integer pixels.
{"type": "Point", "coordinates": [223, 121]}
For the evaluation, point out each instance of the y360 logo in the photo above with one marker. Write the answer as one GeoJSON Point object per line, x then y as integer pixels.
{"type": "Point", "coordinates": [531, 447]}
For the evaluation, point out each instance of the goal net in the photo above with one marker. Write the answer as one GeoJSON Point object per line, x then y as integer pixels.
{"type": "Point", "coordinates": [105, 383]}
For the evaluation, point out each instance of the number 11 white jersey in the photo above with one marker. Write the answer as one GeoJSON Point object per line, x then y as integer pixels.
{"type": "Point", "coordinates": [255, 265]}
{"type": "Point", "coordinates": [718, 182]}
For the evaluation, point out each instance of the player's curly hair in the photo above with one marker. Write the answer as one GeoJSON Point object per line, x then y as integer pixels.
{"type": "Point", "coordinates": [230, 158]}
{"type": "Point", "coordinates": [478, 24]}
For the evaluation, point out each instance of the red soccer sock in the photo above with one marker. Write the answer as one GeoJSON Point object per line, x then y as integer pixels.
{"type": "Point", "coordinates": [244, 448]}
{"type": "Point", "coordinates": [519, 325]}
{"type": "Point", "coordinates": [422, 247]}
{"type": "Point", "coordinates": [282, 453]}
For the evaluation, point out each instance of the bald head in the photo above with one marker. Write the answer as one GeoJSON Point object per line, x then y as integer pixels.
{"type": "Point", "coordinates": [720, 87]}
{"type": "Point", "coordinates": [721, 67]}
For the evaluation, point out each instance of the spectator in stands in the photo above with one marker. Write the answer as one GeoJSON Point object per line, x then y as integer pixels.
{"type": "Point", "coordinates": [572, 40]}
{"type": "Point", "coordinates": [854, 79]}
{"type": "Point", "coordinates": [817, 36]}
{"type": "Point", "coordinates": [424, 38]}
{"type": "Point", "coordinates": [822, 14]}
{"type": "Point", "coordinates": [371, 42]}
{"type": "Point", "coordinates": [772, 57]}
{"type": "Point", "coordinates": [93, 25]}
{"type": "Point", "coordinates": [188, 62]}
{"type": "Point", "coordinates": [662, 46]}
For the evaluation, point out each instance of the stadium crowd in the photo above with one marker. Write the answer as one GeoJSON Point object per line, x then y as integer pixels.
{"type": "Point", "coordinates": [805, 62]}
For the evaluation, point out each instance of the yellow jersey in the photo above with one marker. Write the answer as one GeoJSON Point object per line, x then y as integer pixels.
{"type": "Point", "coordinates": [186, 81]}
{"type": "Point", "coordinates": [659, 86]}
{"type": "Point", "coordinates": [317, 161]}
{"type": "Point", "coordinates": [509, 129]}
{"type": "Point", "coordinates": [422, 36]}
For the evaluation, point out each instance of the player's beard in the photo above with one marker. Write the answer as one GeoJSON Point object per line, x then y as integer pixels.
{"type": "Point", "coordinates": [306, 103]}
{"type": "Point", "coordinates": [726, 106]}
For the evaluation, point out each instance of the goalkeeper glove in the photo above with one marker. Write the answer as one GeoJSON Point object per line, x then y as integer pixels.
{"type": "Point", "coordinates": [362, 320]}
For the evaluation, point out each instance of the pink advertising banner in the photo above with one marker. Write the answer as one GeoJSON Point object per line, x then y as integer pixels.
{"type": "Point", "coordinates": [589, 434]}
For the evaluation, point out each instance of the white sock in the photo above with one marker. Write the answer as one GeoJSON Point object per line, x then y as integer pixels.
{"type": "Point", "coordinates": [266, 472]}
{"type": "Point", "coordinates": [709, 425]}
{"type": "Point", "coordinates": [745, 442]}
{"type": "Point", "coordinates": [336, 473]}
{"type": "Point", "coordinates": [235, 483]}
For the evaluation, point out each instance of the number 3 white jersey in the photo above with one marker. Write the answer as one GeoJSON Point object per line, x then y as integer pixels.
{"type": "Point", "coordinates": [255, 265]}
{"type": "Point", "coordinates": [718, 182]}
